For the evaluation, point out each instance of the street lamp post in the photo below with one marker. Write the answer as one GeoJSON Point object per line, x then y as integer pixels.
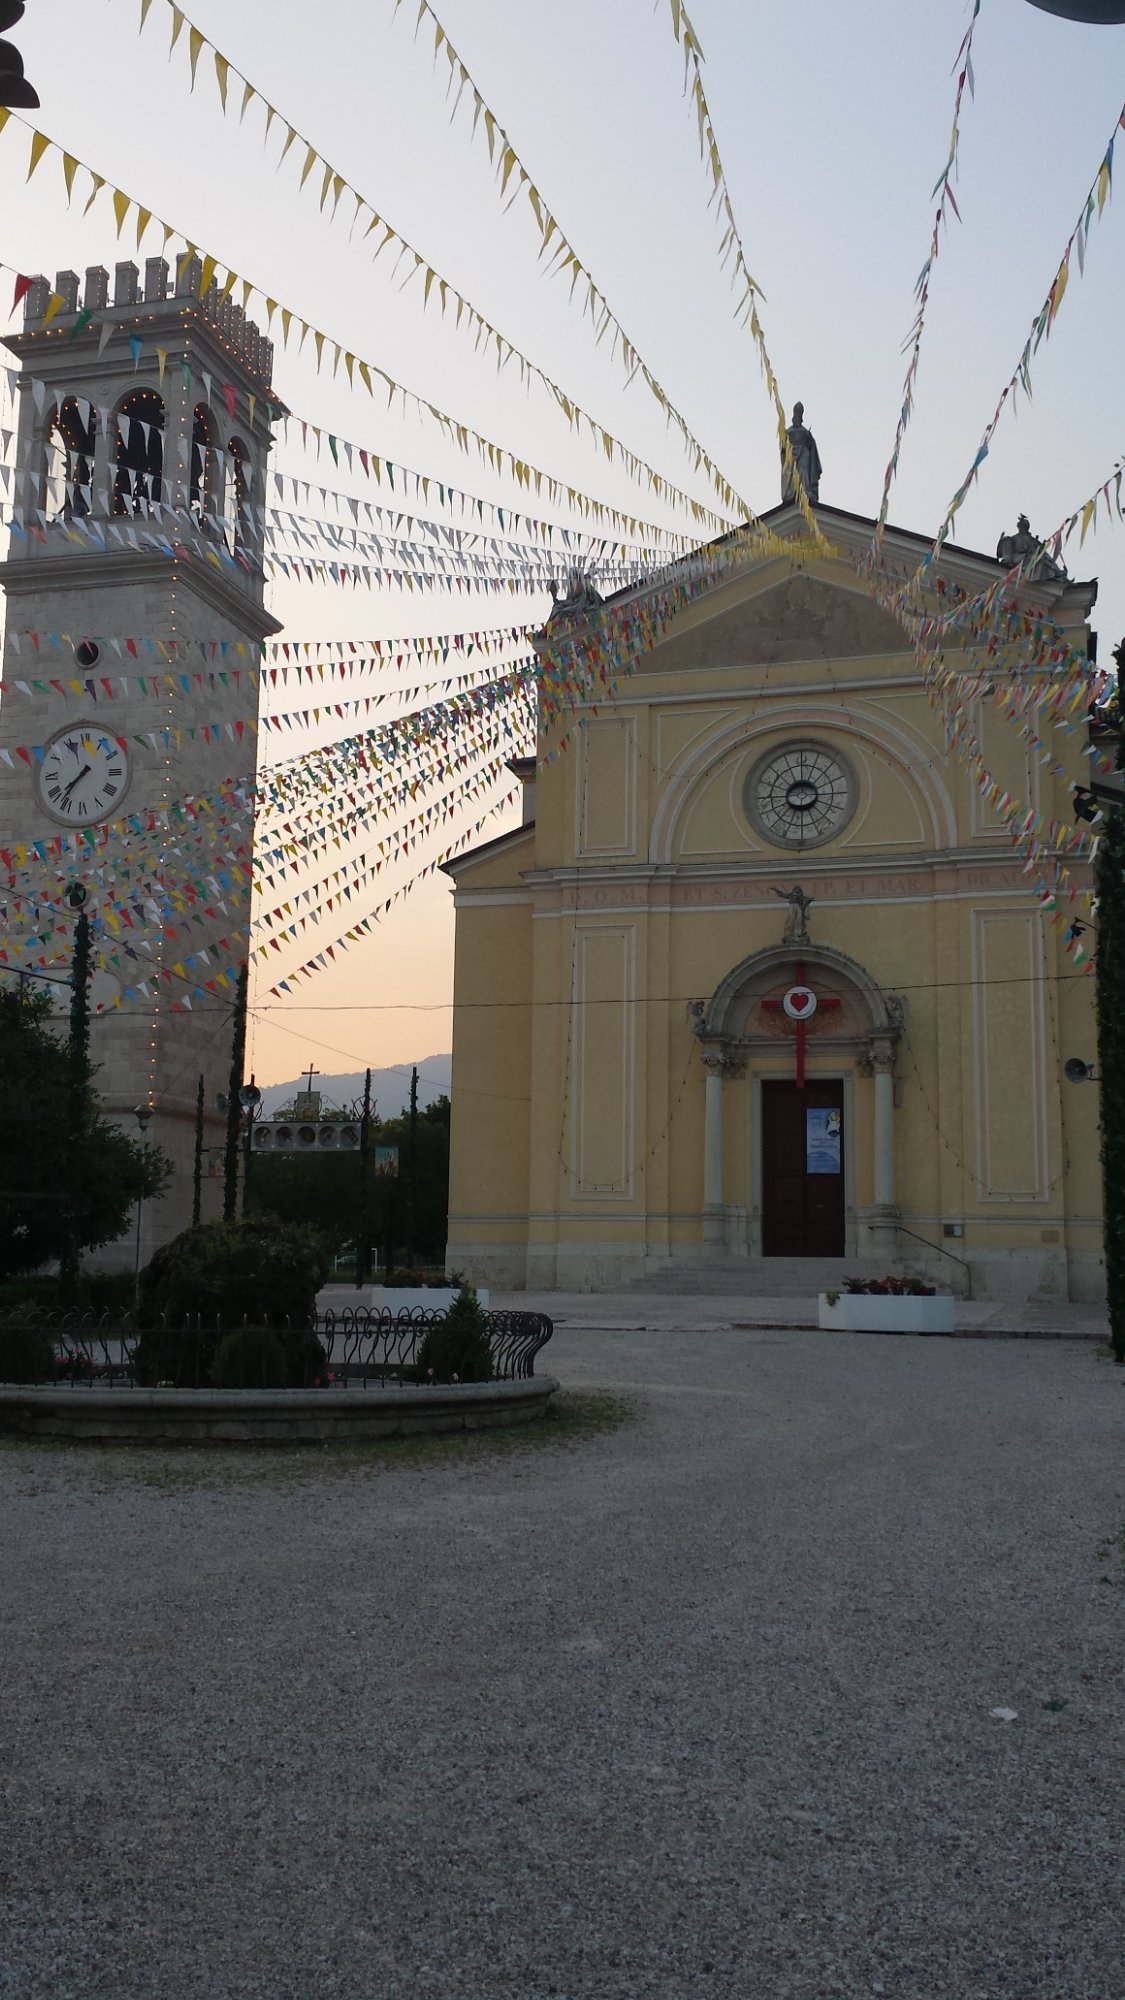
{"type": "Point", "coordinates": [249, 1097]}
{"type": "Point", "coordinates": [143, 1114]}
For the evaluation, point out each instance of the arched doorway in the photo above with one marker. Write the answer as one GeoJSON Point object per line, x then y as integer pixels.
{"type": "Point", "coordinates": [795, 1026]}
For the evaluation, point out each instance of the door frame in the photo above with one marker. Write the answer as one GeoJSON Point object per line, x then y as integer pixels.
{"type": "Point", "coordinates": [754, 1220]}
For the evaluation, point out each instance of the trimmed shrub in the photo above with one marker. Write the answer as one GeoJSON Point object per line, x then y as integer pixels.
{"type": "Point", "coordinates": [252, 1357]}
{"type": "Point", "coordinates": [187, 1357]}
{"type": "Point", "coordinates": [456, 1347]}
{"type": "Point", "coordinates": [257, 1271]}
{"type": "Point", "coordinates": [179, 1356]}
{"type": "Point", "coordinates": [27, 1354]}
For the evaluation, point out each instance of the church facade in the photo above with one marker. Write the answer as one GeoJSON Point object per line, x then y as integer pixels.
{"type": "Point", "coordinates": [761, 982]}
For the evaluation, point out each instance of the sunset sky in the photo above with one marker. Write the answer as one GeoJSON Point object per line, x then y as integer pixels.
{"type": "Point", "coordinates": [833, 120]}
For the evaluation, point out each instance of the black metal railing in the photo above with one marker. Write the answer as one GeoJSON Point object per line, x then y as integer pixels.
{"type": "Point", "coordinates": [351, 1349]}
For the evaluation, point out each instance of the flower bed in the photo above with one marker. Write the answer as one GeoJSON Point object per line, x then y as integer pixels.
{"type": "Point", "coordinates": [921, 1311]}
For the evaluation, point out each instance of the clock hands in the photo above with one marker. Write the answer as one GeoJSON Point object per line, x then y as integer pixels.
{"type": "Point", "coordinates": [83, 773]}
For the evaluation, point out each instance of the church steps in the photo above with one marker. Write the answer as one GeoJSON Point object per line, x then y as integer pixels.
{"type": "Point", "coordinates": [758, 1277]}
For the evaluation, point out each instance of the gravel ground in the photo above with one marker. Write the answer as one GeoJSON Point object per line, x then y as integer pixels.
{"type": "Point", "coordinates": [700, 1707]}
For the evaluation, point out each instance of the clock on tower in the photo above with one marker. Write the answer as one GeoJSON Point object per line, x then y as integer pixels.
{"type": "Point", "coordinates": [134, 621]}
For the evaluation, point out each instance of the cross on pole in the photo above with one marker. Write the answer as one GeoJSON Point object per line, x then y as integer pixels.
{"type": "Point", "coordinates": [799, 1004]}
{"type": "Point", "coordinates": [312, 1072]}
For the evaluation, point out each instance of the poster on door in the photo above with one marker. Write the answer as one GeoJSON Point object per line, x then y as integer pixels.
{"type": "Point", "coordinates": [822, 1141]}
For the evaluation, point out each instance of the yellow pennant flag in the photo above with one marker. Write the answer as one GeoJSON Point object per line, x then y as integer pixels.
{"type": "Point", "coordinates": [206, 275]}
{"type": "Point", "coordinates": [99, 183]}
{"type": "Point", "coordinates": [222, 70]}
{"type": "Point", "coordinates": [121, 207]}
{"type": "Point", "coordinates": [54, 304]}
{"type": "Point", "coordinates": [247, 94]}
{"type": "Point", "coordinates": [70, 168]}
{"type": "Point", "coordinates": [177, 27]}
{"type": "Point", "coordinates": [195, 45]}
{"type": "Point", "coordinates": [161, 363]}
{"type": "Point", "coordinates": [144, 217]}
{"type": "Point", "coordinates": [39, 145]}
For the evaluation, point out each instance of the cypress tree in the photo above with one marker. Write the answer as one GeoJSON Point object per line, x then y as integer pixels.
{"type": "Point", "coordinates": [1109, 877]}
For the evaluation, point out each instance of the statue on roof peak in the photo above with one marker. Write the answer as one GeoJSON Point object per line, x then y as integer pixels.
{"type": "Point", "coordinates": [806, 458]}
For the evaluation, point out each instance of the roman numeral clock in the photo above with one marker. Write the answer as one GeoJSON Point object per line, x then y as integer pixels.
{"type": "Point", "coordinates": [84, 775]}
{"type": "Point", "coordinates": [134, 617]}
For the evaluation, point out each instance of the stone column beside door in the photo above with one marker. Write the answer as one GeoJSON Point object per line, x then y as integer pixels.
{"type": "Point", "coordinates": [884, 1214]}
{"type": "Point", "coordinates": [719, 1066]}
{"type": "Point", "coordinates": [713, 1065]}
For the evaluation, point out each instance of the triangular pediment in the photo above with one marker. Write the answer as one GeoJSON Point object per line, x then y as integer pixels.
{"type": "Point", "coordinates": [800, 617]}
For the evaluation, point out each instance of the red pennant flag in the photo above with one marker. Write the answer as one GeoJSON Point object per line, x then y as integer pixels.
{"type": "Point", "coordinates": [23, 286]}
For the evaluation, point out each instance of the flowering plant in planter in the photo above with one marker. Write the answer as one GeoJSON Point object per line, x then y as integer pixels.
{"type": "Point", "coordinates": [891, 1288]}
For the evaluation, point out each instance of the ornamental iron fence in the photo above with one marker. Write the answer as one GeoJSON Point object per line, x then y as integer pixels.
{"type": "Point", "coordinates": [348, 1350]}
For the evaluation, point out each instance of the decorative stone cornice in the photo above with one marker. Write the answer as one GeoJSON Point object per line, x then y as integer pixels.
{"type": "Point", "coordinates": [25, 575]}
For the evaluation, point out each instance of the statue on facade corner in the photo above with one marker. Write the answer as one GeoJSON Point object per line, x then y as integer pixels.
{"type": "Point", "coordinates": [1024, 548]}
{"type": "Point", "coordinates": [580, 597]}
{"type": "Point", "coordinates": [797, 920]}
{"type": "Point", "coordinates": [806, 458]}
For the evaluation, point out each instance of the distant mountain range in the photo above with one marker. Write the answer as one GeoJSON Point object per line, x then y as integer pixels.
{"type": "Point", "coordinates": [390, 1088]}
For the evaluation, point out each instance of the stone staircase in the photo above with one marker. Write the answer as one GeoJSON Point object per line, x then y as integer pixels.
{"type": "Point", "coordinates": [750, 1278]}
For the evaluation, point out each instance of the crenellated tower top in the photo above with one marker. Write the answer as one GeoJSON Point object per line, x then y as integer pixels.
{"type": "Point", "coordinates": [142, 300]}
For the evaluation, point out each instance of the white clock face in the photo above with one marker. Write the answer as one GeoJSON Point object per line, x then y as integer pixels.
{"type": "Point", "coordinates": [83, 776]}
{"type": "Point", "coordinates": [800, 796]}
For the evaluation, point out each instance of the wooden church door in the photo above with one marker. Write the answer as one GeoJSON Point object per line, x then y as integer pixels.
{"type": "Point", "coordinates": [802, 1169]}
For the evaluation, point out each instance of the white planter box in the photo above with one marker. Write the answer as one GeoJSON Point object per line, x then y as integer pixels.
{"type": "Point", "coordinates": [873, 1312]}
{"type": "Point", "coordinates": [394, 1298]}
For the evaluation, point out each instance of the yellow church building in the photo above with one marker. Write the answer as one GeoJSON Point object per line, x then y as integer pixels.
{"type": "Point", "coordinates": [760, 992]}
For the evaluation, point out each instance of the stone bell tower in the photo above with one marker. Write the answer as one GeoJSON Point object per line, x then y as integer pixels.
{"type": "Point", "coordinates": [134, 617]}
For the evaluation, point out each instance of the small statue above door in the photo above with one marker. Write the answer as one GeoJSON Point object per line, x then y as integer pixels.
{"type": "Point", "coordinates": [797, 918]}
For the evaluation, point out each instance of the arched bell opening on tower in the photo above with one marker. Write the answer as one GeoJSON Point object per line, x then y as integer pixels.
{"type": "Point", "coordinates": [139, 481]}
{"type": "Point", "coordinates": [203, 495]}
{"type": "Point", "coordinates": [236, 492]}
{"type": "Point", "coordinates": [69, 486]}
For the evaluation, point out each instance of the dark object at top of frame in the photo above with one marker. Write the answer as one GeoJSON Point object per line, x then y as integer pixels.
{"type": "Point", "coordinates": [1098, 13]}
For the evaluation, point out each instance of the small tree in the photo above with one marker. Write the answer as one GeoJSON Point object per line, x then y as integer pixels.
{"type": "Point", "coordinates": [68, 1177]}
{"type": "Point", "coordinates": [456, 1347]}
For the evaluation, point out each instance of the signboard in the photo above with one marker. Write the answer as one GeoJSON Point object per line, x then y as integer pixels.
{"type": "Point", "coordinates": [386, 1161]}
{"type": "Point", "coordinates": [822, 1141]}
